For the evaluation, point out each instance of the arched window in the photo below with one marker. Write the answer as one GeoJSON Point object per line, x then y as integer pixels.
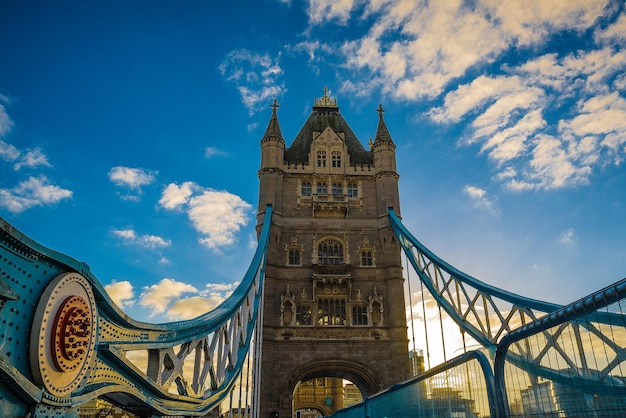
{"type": "Point", "coordinates": [337, 189]}
{"type": "Point", "coordinates": [306, 188]}
{"type": "Point", "coordinates": [336, 159]}
{"type": "Point", "coordinates": [366, 258]}
{"type": "Point", "coordinates": [294, 257]}
{"type": "Point", "coordinates": [321, 158]}
{"type": "Point", "coordinates": [353, 190]}
{"type": "Point", "coordinates": [330, 251]}
{"type": "Point", "coordinates": [321, 188]}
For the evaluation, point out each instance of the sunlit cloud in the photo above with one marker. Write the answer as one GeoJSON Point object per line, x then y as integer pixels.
{"type": "Point", "coordinates": [145, 241]}
{"type": "Point", "coordinates": [157, 297]}
{"type": "Point", "coordinates": [217, 215]}
{"type": "Point", "coordinates": [256, 76]}
{"type": "Point", "coordinates": [191, 307]}
{"type": "Point", "coordinates": [36, 191]}
{"type": "Point", "coordinates": [121, 293]}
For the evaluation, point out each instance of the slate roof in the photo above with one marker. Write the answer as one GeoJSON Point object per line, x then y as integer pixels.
{"type": "Point", "coordinates": [320, 118]}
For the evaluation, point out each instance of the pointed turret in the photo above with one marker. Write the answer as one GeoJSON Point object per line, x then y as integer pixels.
{"type": "Point", "coordinates": [384, 151]}
{"type": "Point", "coordinates": [272, 156]}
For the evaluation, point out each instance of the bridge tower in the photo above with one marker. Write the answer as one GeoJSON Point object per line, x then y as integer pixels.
{"type": "Point", "coordinates": [334, 292]}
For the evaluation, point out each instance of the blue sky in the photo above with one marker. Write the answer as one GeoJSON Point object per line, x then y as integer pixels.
{"type": "Point", "coordinates": [129, 132]}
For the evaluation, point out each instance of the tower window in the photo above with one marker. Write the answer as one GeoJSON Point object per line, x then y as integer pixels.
{"type": "Point", "coordinates": [359, 315]}
{"type": "Point", "coordinates": [366, 258]}
{"type": "Point", "coordinates": [331, 311]}
{"type": "Point", "coordinates": [294, 257]}
{"type": "Point", "coordinates": [336, 159]}
{"type": "Point", "coordinates": [306, 188]}
{"type": "Point", "coordinates": [337, 189]}
{"type": "Point", "coordinates": [321, 158]}
{"type": "Point", "coordinates": [321, 188]}
{"type": "Point", "coordinates": [352, 190]}
{"type": "Point", "coordinates": [303, 315]}
{"type": "Point", "coordinates": [330, 251]}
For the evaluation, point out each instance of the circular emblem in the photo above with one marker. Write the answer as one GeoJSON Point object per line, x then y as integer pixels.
{"type": "Point", "coordinates": [63, 335]}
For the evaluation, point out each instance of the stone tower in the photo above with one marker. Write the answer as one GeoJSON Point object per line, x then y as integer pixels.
{"type": "Point", "coordinates": [334, 292]}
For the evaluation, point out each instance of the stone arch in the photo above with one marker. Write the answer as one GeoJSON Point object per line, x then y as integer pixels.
{"type": "Point", "coordinates": [355, 371]}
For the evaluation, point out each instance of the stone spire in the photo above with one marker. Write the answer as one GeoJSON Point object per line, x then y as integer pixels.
{"type": "Point", "coordinates": [382, 133]}
{"type": "Point", "coordinates": [273, 128]}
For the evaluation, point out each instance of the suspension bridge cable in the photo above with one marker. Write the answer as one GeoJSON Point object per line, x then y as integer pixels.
{"type": "Point", "coordinates": [408, 280]}
{"type": "Point", "coordinates": [425, 325]}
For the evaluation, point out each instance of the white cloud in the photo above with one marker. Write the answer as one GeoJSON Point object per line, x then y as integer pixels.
{"type": "Point", "coordinates": [5, 121]}
{"type": "Point", "coordinates": [121, 293]}
{"type": "Point", "coordinates": [480, 199]}
{"type": "Point", "coordinates": [8, 152]}
{"type": "Point", "coordinates": [33, 158]}
{"type": "Point", "coordinates": [36, 191]}
{"type": "Point", "coordinates": [257, 77]}
{"type": "Point", "coordinates": [133, 178]}
{"type": "Point", "coordinates": [192, 307]}
{"type": "Point", "coordinates": [212, 152]}
{"type": "Point", "coordinates": [320, 11]}
{"type": "Point", "coordinates": [175, 196]}
{"type": "Point", "coordinates": [569, 237]}
{"type": "Point", "coordinates": [217, 215]}
{"type": "Point", "coordinates": [144, 241]}
{"type": "Point", "coordinates": [158, 296]}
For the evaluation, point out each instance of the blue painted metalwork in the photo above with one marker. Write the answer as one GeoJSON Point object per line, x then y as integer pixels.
{"type": "Point", "coordinates": [459, 294]}
{"type": "Point", "coordinates": [64, 342]}
{"type": "Point", "coordinates": [420, 395]}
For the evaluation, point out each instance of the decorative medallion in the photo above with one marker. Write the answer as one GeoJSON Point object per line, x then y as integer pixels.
{"type": "Point", "coordinates": [63, 335]}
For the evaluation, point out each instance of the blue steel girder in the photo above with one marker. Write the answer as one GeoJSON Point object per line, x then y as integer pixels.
{"type": "Point", "coordinates": [485, 312]}
{"type": "Point", "coordinates": [64, 342]}
{"type": "Point", "coordinates": [469, 302]}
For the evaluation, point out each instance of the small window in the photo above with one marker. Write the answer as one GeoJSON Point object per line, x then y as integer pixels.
{"type": "Point", "coordinates": [303, 315]}
{"type": "Point", "coordinates": [366, 258]}
{"type": "Point", "coordinates": [321, 158]}
{"type": "Point", "coordinates": [294, 257]}
{"type": "Point", "coordinates": [359, 315]}
{"type": "Point", "coordinates": [336, 159]}
{"type": "Point", "coordinates": [321, 188]}
{"type": "Point", "coordinates": [352, 190]}
{"type": "Point", "coordinates": [337, 189]}
{"type": "Point", "coordinates": [306, 188]}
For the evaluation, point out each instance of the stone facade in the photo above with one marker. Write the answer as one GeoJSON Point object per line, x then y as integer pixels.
{"type": "Point", "coordinates": [334, 292]}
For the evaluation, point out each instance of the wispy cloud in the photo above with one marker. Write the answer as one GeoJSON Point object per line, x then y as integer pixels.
{"type": "Point", "coordinates": [480, 199]}
{"type": "Point", "coordinates": [569, 237]}
{"type": "Point", "coordinates": [210, 152]}
{"type": "Point", "coordinates": [256, 76]}
{"type": "Point", "coordinates": [217, 215]}
{"type": "Point", "coordinates": [36, 191]}
{"type": "Point", "coordinates": [416, 51]}
{"type": "Point", "coordinates": [145, 241]}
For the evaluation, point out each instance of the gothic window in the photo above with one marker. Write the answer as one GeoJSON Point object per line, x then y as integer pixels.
{"type": "Point", "coordinates": [336, 159]}
{"type": "Point", "coordinates": [352, 190]}
{"type": "Point", "coordinates": [293, 253]}
{"type": "Point", "coordinates": [306, 188]}
{"type": "Point", "coordinates": [294, 257]}
{"type": "Point", "coordinates": [321, 158]}
{"type": "Point", "coordinates": [359, 315]}
{"type": "Point", "coordinates": [337, 189]}
{"type": "Point", "coordinates": [330, 251]}
{"type": "Point", "coordinates": [321, 188]}
{"type": "Point", "coordinates": [331, 311]}
{"type": "Point", "coordinates": [366, 258]}
{"type": "Point", "coordinates": [303, 315]}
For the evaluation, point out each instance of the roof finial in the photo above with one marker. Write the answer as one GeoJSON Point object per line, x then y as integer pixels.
{"type": "Point", "coordinates": [275, 106]}
{"type": "Point", "coordinates": [380, 110]}
{"type": "Point", "coordinates": [325, 101]}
